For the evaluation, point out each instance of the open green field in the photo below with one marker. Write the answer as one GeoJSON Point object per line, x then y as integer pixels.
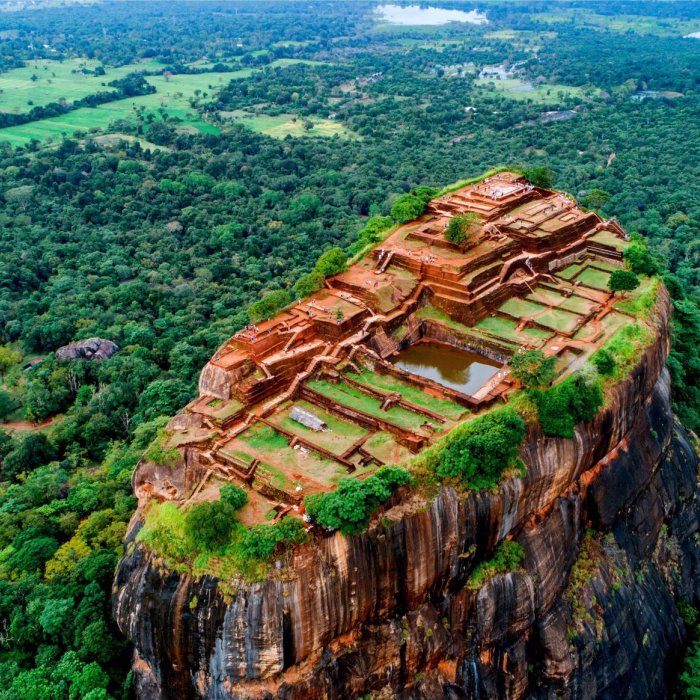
{"type": "Point", "coordinates": [41, 82]}
{"type": "Point", "coordinates": [291, 125]}
{"type": "Point", "coordinates": [172, 95]}
{"type": "Point", "coordinates": [639, 24]}
{"type": "Point", "coordinates": [517, 89]}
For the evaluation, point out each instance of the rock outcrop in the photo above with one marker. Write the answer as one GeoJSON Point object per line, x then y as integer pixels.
{"type": "Point", "coordinates": [90, 349]}
{"type": "Point", "coordinates": [608, 522]}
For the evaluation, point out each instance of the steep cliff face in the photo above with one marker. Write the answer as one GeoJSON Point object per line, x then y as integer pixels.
{"type": "Point", "coordinates": [608, 522]}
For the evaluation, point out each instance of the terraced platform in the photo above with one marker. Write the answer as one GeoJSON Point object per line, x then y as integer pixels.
{"type": "Point", "coordinates": [533, 275]}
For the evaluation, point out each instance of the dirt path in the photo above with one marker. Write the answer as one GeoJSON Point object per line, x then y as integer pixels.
{"type": "Point", "coordinates": [22, 425]}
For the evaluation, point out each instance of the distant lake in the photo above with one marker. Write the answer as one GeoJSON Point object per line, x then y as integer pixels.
{"type": "Point", "coordinates": [416, 15]}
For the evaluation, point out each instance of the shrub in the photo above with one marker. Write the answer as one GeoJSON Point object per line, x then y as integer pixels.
{"type": "Point", "coordinates": [407, 207]}
{"type": "Point", "coordinates": [262, 542]}
{"type": "Point", "coordinates": [332, 262]}
{"type": "Point", "coordinates": [371, 232]}
{"type": "Point", "coordinates": [234, 495]}
{"type": "Point", "coordinates": [209, 525]}
{"type": "Point", "coordinates": [638, 257]}
{"type": "Point", "coordinates": [540, 176]}
{"type": "Point", "coordinates": [507, 557]}
{"type": "Point", "coordinates": [158, 452]}
{"type": "Point", "coordinates": [622, 281]}
{"type": "Point", "coordinates": [425, 193]}
{"type": "Point", "coordinates": [604, 362]}
{"type": "Point", "coordinates": [478, 452]}
{"type": "Point", "coordinates": [269, 305]}
{"type": "Point", "coordinates": [533, 368]}
{"type": "Point", "coordinates": [351, 505]}
{"type": "Point", "coordinates": [576, 399]}
{"type": "Point", "coordinates": [457, 230]}
{"type": "Point", "coordinates": [308, 284]}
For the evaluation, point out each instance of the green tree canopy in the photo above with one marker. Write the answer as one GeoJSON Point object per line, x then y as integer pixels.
{"type": "Point", "coordinates": [622, 281]}
{"type": "Point", "coordinates": [533, 368]}
{"type": "Point", "coordinates": [458, 229]}
{"type": "Point", "coordinates": [407, 207]}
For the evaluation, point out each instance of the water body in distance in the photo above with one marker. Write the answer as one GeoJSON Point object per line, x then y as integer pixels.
{"type": "Point", "coordinates": [415, 15]}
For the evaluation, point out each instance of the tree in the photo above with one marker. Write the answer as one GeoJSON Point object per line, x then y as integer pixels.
{"type": "Point", "coordinates": [479, 451]}
{"type": "Point", "coordinates": [331, 262]}
{"type": "Point", "coordinates": [209, 525]}
{"type": "Point", "coordinates": [638, 257]}
{"type": "Point", "coordinates": [269, 305]}
{"type": "Point", "coordinates": [407, 207]}
{"type": "Point", "coordinates": [533, 368]}
{"type": "Point", "coordinates": [8, 358]}
{"type": "Point", "coordinates": [595, 199]}
{"type": "Point", "coordinates": [622, 281]}
{"type": "Point", "coordinates": [351, 505]}
{"type": "Point", "coordinates": [308, 284]}
{"type": "Point", "coordinates": [540, 176]}
{"type": "Point", "coordinates": [562, 407]}
{"type": "Point", "coordinates": [7, 404]}
{"type": "Point", "coordinates": [458, 229]}
{"type": "Point", "coordinates": [234, 495]}
{"type": "Point", "coordinates": [604, 362]}
{"type": "Point", "coordinates": [261, 542]}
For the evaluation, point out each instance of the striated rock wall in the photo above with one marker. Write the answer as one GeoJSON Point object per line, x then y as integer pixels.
{"type": "Point", "coordinates": [388, 612]}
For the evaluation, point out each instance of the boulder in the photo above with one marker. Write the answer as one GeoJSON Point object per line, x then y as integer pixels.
{"type": "Point", "coordinates": [90, 349]}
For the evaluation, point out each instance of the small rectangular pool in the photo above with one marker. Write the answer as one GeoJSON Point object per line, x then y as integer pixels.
{"type": "Point", "coordinates": [457, 369]}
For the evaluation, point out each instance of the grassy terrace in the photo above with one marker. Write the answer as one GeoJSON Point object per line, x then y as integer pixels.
{"type": "Point", "coordinates": [354, 398]}
{"type": "Point", "coordinates": [287, 467]}
{"type": "Point", "coordinates": [593, 277]}
{"type": "Point", "coordinates": [507, 328]}
{"type": "Point", "coordinates": [388, 383]}
{"type": "Point", "coordinates": [341, 434]}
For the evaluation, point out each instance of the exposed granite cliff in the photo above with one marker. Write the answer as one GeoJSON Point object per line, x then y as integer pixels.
{"type": "Point", "coordinates": [388, 612]}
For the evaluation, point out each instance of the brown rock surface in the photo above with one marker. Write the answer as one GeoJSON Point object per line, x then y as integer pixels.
{"type": "Point", "coordinates": [388, 612]}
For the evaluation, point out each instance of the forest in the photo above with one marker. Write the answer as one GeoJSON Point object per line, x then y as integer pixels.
{"type": "Point", "coordinates": [160, 238]}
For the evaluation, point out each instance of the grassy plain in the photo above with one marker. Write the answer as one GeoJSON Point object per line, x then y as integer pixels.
{"type": "Point", "coordinates": [41, 82]}
{"type": "Point", "coordinates": [172, 97]}
{"type": "Point", "coordinates": [517, 89]}
{"type": "Point", "coordinates": [291, 125]}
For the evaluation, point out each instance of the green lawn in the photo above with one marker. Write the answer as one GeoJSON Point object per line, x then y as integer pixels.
{"type": "Point", "coordinates": [341, 434]}
{"type": "Point", "coordinates": [385, 448]}
{"type": "Point", "coordinates": [414, 394]}
{"type": "Point", "coordinates": [506, 328]}
{"type": "Point", "coordinates": [520, 308]}
{"type": "Point", "coordinates": [354, 398]}
{"type": "Point", "coordinates": [59, 80]}
{"type": "Point", "coordinates": [559, 320]}
{"type": "Point", "coordinates": [571, 271]}
{"type": "Point", "coordinates": [592, 277]}
{"type": "Point", "coordinates": [577, 304]}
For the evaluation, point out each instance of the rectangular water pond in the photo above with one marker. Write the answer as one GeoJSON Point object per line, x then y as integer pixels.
{"type": "Point", "coordinates": [457, 369]}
